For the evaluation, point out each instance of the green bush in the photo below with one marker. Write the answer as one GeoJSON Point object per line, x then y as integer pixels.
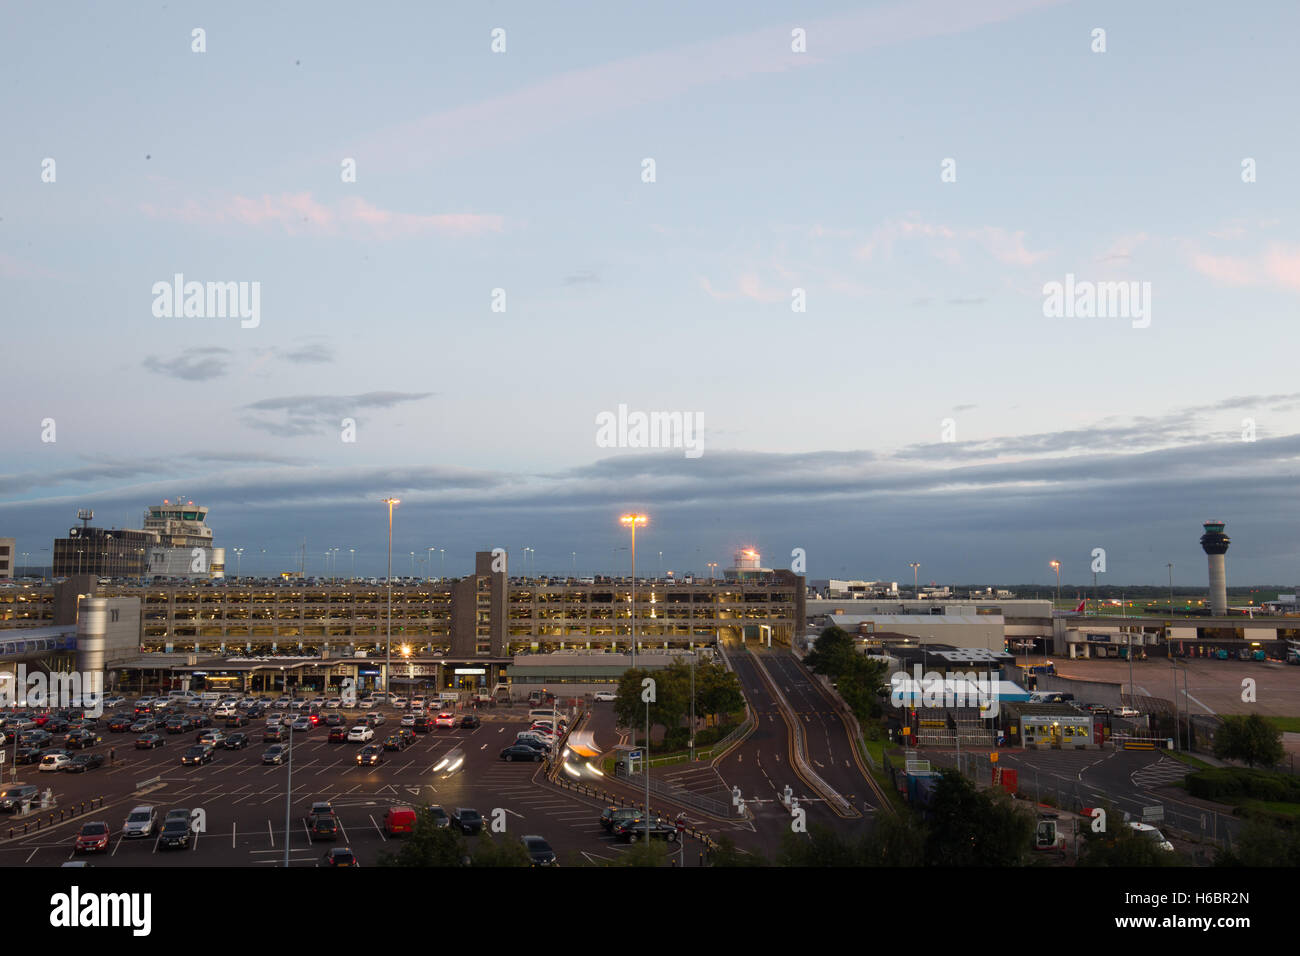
{"type": "Point", "coordinates": [1237, 782]}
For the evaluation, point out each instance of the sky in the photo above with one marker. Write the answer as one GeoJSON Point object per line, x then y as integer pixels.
{"type": "Point", "coordinates": [823, 233]}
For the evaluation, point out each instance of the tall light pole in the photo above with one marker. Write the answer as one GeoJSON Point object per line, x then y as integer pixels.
{"type": "Point", "coordinates": [575, 563]}
{"type": "Point", "coordinates": [428, 577]}
{"type": "Point", "coordinates": [1171, 588]}
{"type": "Point", "coordinates": [661, 564]}
{"type": "Point", "coordinates": [632, 520]}
{"type": "Point", "coordinates": [353, 552]}
{"type": "Point", "coordinates": [916, 586]}
{"type": "Point", "coordinates": [239, 559]}
{"type": "Point", "coordinates": [442, 560]}
{"type": "Point", "coordinates": [388, 656]}
{"type": "Point", "coordinates": [288, 796]}
{"type": "Point", "coordinates": [712, 567]}
{"type": "Point", "coordinates": [1056, 566]}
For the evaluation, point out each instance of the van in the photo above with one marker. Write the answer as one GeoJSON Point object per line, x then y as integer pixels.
{"type": "Point", "coordinates": [399, 820]}
{"type": "Point", "coordinates": [540, 714]}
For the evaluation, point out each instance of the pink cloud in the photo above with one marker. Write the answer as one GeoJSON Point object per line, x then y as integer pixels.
{"type": "Point", "coordinates": [1005, 246]}
{"type": "Point", "coordinates": [1283, 265]}
{"type": "Point", "coordinates": [1225, 269]}
{"type": "Point", "coordinates": [301, 214]}
{"type": "Point", "coordinates": [748, 286]}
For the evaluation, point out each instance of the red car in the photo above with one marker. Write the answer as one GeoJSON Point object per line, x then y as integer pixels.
{"type": "Point", "coordinates": [314, 718]}
{"type": "Point", "coordinates": [338, 735]}
{"type": "Point", "coordinates": [93, 838]}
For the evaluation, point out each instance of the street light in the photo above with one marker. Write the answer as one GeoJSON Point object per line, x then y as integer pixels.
{"type": "Point", "coordinates": [239, 559]}
{"type": "Point", "coordinates": [712, 566]}
{"type": "Point", "coordinates": [388, 656]}
{"type": "Point", "coordinates": [354, 562]}
{"type": "Point", "coordinates": [428, 577]}
{"type": "Point", "coordinates": [632, 520]}
{"type": "Point", "coordinates": [1056, 566]}
{"type": "Point", "coordinates": [916, 587]}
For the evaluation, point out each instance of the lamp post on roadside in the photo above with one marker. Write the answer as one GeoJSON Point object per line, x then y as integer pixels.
{"type": "Point", "coordinates": [916, 587]}
{"type": "Point", "coordinates": [1056, 566]}
{"type": "Point", "coordinates": [388, 655]}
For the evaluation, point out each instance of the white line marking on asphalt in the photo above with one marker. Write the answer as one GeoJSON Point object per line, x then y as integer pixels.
{"type": "Point", "coordinates": [271, 832]}
{"type": "Point", "coordinates": [232, 836]}
{"type": "Point", "coordinates": [377, 829]}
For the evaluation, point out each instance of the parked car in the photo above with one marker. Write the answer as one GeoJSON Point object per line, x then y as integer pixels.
{"type": "Point", "coordinates": [83, 762]}
{"type": "Point", "coordinates": [236, 741]}
{"type": "Point", "coordinates": [140, 822]}
{"type": "Point", "coordinates": [92, 838]}
{"type": "Point", "coordinates": [422, 725]}
{"type": "Point", "coordinates": [631, 831]}
{"type": "Point", "coordinates": [439, 816]}
{"type": "Point", "coordinates": [540, 852]}
{"type": "Point", "coordinates": [80, 739]}
{"type": "Point", "coordinates": [275, 733]}
{"type": "Point", "coordinates": [53, 762]}
{"type": "Point", "coordinates": [276, 754]}
{"type": "Point", "coordinates": [339, 856]}
{"type": "Point", "coordinates": [239, 720]}
{"type": "Point", "coordinates": [212, 737]}
{"type": "Point", "coordinates": [12, 798]}
{"type": "Point", "coordinates": [335, 720]}
{"type": "Point", "coordinates": [324, 826]}
{"type": "Point", "coordinates": [175, 831]}
{"type": "Point", "coordinates": [399, 820]}
{"type": "Point", "coordinates": [445, 719]}
{"type": "Point", "coordinates": [149, 741]}
{"type": "Point", "coordinates": [611, 816]}
{"type": "Point", "coordinates": [521, 752]}
{"type": "Point", "coordinates": [198, 754]}
{"type": "Point", "coordinates": [360, 735]}
{"type": "Point", "coordinates": [467, 820]}
{"type": "Point", "coordinates": [370, 756]}
{"type": "Point", "coordinates": [470, 722]}
{"type": "Point", "coordinates": [120, 723]}
{"type": "Point", "coordinates": [375, 718]}
{"type": "Point", "coordinates": [144, 726]}
{"type": "Point", "coordinates": [338, 735]}
{"type": "Point", "coordinates": [408, 720]}
{"type": "Point", "coordinates": [605, 696]}
{"type": "Point", "coordinates": [396, 742]}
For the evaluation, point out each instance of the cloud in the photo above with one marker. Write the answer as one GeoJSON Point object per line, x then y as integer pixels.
{"type": "Point", "coordinates": [307, 354]}
{"type": "Point", "coordinates": [943, 241]}
{"type": "Point", "coordinates": [582, 277]}
{"type": "Point", "coordinates": [295, 415]}
{"type": "Point", "coordinates": [301, 214]}
{"type": "Point", "coordinates": [192, 365]}
{"type": "Point", "coordinates": [581, 96]}
{"type": "Point", "coordinates": [748, 286]}
{"type": "Point", "coordinates": [1277, 264]}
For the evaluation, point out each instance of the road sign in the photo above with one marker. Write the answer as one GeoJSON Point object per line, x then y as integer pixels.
{"type": "Point", "coordinates": [1154, 814]}
{"type": "Point", "coordinates": [993, 757]}
{"type": "Point", "coordinates": [918, 766]}
{"type": "Point", "coordinates": [634, 755]}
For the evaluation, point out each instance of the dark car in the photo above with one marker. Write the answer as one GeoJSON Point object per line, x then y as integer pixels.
{"type": "Point", "coordinates": [276, 754]}
{"type": "Point", "coordinates": [237, 741]}
{"type": "Point", "coordinates": [144, 726]}
{"type": "Point", "coordinates": [521, 752]}
{"type": "Point", "coordinates": [275, 733]}
{"type": "Point", "coordinates": [466, 820]}
{"type": "Point", "coordinates": [177, 725]}
{"type": "Point", "coordinates": [396, 742]}
{"type": "Point", "coordinates": [370, 756]}
{"type": "Point", "coordinates": [56, 725]}
{"type": "Point", "coordinates": [27, 755]}
{"type": "Point", "coordinates": [470, 721]}
{"type": "Point", "coordinates": [149, 741]}
{"type": "Point", "coordinates": [239, 720]}
{"type": "Point", "coordinates": [339, 856]}
{"type": "Point", "coordinates": [612, 816]}
{"type": "Point", "coordinates": [81, 739]}
{"type": "Point", "coordinates": [198, 754]}
{"type": "Point", "coordinates": [439, 816]}
{"type": "Point", "coordinates": [338, 735]}
{"type": "Point", "coordinates": [630, 831]}
{"type": "Point", "coordinates": [334, 720]}
{"type": "Point", "coordinates": [423, 725]}
{"type": "Point", "coordinates": [324, 826]}
{"type": "Point", "coordinates": [12, 797]}
{"type": "Point", "coordinates": [201, 721]}
{"type": "Point", "coordinates": [120, 723]}
{"type": "Point", "coordinates": [175, 833]}
{"type": "Point", "coordinates": [539, 851]}
{"type": "Point", "coordinates": [83, 762]}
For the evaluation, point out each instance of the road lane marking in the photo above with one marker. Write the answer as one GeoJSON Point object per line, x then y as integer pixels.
{"type": "Point", "coordinates": [232, 836]}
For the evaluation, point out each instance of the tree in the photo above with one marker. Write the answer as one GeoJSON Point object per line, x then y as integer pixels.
{"type": "Point", "coordinates": [499, 851]}
{"type": "Point", "coordinates": [428, 845]}
{"type": "Point", "coordinates": [717, 691]}
{"type": "Point", "coordinates": [1120, 845]}
{"type": "Point", "coordinates": [1263, 843]}
{"type": "Point", "coordinates": [832, 654]}
{"type": "Point", "coordinates": [727, 854]}
{"type": "Point", "coordinates": [1252, 739]}
{"type": "Point", "coordinates": [972, 827]}
{"type": "Point", "coordinates": [645, 853]}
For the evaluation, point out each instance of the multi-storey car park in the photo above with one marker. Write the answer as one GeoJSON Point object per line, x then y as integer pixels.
{"type": "Point", "coordinates": [438, 628]}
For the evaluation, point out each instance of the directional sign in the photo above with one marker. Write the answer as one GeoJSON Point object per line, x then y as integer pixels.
{"type": "Point", "coordinates": [1154, 814]}
{"type": "Point", "coordinates": [634, 755]}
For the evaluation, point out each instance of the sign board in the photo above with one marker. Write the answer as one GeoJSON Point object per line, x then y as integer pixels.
{"type": "Point", "coordinates": [634, 755]}
{"type": "Point", "coordinates": [918, 766]}
{"type": "Point", "coordinates": [993, 757]}
{"type": "Point", "coordinates": [1154, 814]}
{"type": "Point", "coordinates": [469, 670]}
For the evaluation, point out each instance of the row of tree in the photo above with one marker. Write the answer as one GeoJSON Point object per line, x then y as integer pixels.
{"type": "Point", "coordinates": [858, 679]}
{"type": "Point", "coordinates": [717, 693]}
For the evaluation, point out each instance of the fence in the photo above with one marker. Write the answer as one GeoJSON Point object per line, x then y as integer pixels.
{"type": "Point", "coordinates": [667, 791]}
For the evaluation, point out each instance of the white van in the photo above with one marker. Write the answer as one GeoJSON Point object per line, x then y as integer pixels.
{"type": "Point", "coordinates": [540, 714]}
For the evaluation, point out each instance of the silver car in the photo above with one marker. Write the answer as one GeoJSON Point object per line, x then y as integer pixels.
{"type": "Point", "coordinates": [140, 822]}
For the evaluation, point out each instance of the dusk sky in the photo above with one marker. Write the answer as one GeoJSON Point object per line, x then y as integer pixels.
{"type": "Point", "coordinates": [913, 179]}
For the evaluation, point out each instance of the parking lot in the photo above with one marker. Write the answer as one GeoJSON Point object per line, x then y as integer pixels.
{"type": "Point", "coordinates": [244, 801]}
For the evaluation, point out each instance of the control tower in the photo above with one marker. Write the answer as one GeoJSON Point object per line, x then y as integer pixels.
{"type": "Point", "coordinates": [1215, 544]}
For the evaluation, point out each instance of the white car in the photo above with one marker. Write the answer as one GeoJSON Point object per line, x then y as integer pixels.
{"type": "Point", "coordinates": [408, 720]}
{"type": "Point", "coordinates": [360, 735]}
{"type": "Point", "coordinates": [1128, 712]}
{"type": "Point", "coordinates": [445, 719]}
{"type": "Point", "coordinates": [213, 737]}
{"type": "Point", "coordinates": [399, 703]}
{"type": "Point", "coordinates": [417, 702]}
{"type": "Point", "coordinates": [317, 702]}
{"type": "Point", "coordinates": [1144, 830]}
{"type": "Point", "coordinates": [110, 703]}
{"type": "Point", "coordinates": [334, 703]}
{"type": "Point", "coordinates": [55, 761]}
{"type": "Point", "coordinates": [375, 717]}
{"type": "Point", "coordinates": [605, 695]}
{"type": "Point", "coordinates": [366, 703]}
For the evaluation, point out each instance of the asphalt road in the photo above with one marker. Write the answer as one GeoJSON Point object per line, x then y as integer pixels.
{"type": "Point", "coordinates": [244, 801]}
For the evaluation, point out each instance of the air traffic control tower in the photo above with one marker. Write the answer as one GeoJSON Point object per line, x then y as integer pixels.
{"type": "Point", "coordinates": [1215, 544]}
